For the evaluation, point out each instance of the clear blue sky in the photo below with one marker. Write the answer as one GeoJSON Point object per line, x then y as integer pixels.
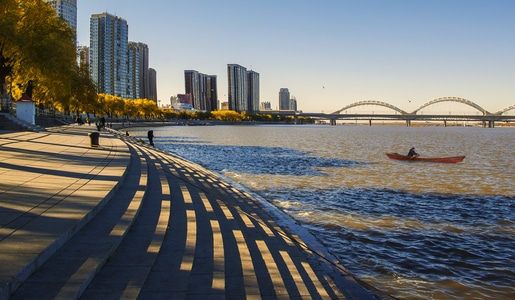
{"type": "Point", "coordinates": [329, 53]}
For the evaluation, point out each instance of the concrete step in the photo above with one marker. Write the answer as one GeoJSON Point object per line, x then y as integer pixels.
{"type": "Point", "coordinates": [123, 276]}
{"type": "Point", "coordinates": [53, 184]}
{"type": "Point", "coordinates": [10, 122]}
{"type": "Point", "coordinates": [6, 124]}
{"type": "Point", "coordinates": [174, 230]}
{"type": "Point", "coordinates": [199, 237]}
{"type": "Point", "coordinates": [69, 271]}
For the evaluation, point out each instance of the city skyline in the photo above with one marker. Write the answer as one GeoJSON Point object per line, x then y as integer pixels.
{"type": "Point", "coordinates": [330, 54]}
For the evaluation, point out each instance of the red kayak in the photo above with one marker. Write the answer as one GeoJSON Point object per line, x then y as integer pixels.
{"type": "Point", "coordinates": [451, 159]}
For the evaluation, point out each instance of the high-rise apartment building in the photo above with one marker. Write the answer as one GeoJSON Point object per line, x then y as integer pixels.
{"type": "Point", "coordinates": [237, 87]}
{"type": "Point", "coordinates": [152, 85]}
{"type": "Point", "coordinates": [208, 84]}
{"type": "Point", "coordinates": [284, 99]}
{"type": "Point", "coordinates": [253, 91]}
{"type": "Point", "coordinates": [139, 55]}
{"type": "Point", "coordinates": [192, 86]}
{"type": "Point", "coordinates": [293, 104]}
{"type": "Point", "coordinates": [109, 54]}
{"type": "Point", "coordinates": [67, 9]}
{"type": "Point", "coordinates": [243, 89]}
{"type": "Point", "coordinates": [203, 90]}
{"type": "Point", "coordinates": [135, 76]}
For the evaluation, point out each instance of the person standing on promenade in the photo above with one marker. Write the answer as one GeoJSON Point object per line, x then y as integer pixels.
{"type": "Point", "coordinates": [150, 135]}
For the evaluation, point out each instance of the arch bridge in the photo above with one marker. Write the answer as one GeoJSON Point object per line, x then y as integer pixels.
{"type": "Point", "coordinates": [485, 117]}
{"type": "Point", "coordinates": [370, 102]}
{"type": "Point", "coordinates": [453, 99]}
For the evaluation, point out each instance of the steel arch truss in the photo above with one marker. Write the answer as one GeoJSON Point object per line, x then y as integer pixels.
{"type": "Point", "coordinates": [502, 111]}
{"type": "Point", "coordinates": [370, 102]}
{"type": "Point", "coordinates": [453, 99]}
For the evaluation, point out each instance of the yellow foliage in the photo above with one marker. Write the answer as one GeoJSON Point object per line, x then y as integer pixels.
{"type": "Point", "coordinates": [134, 108]}
{"type": "Point", "coordinates": [227, 115]}
{"type": "Point", "coordinates": [38, 56]}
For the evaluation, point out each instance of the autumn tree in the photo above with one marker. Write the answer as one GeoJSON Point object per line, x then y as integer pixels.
{"type": "Point", "coordinates": [131, 108]}
{"type": "Point", "coordinates": [37, 56]}
{"type": "Point", "coordinates": [203, 115]}
{"type": "Point", "coordinates": [148, 108]}
{"type": "Point", "coordinates": [227, 115]}
{"type": "Point", "coordinates": [185, 115]}
{"type": "Point", "coordinates": [83, 90]}
{"type": "Point", "coordinates": [169, 113]}
{"type": "Point", "coordinates": [112, 105]}
{"type": "Point", "coordinates": [9, 14]}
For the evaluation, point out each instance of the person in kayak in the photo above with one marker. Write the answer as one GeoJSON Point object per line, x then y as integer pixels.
{"type": "Point", "coordinates": [412, 152]}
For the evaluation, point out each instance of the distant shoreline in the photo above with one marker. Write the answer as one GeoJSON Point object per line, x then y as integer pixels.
{"type": "Point", "coordinates": [161, 123]}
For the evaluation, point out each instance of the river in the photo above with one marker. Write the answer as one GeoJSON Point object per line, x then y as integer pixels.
{"type": "Point", "coordinates": [412, 230]}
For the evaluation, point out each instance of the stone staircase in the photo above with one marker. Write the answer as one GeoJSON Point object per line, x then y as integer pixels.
{"type": "Point", "coordinates": [9, 122]}
{"type": "Point", "coordinates": [173, 230]}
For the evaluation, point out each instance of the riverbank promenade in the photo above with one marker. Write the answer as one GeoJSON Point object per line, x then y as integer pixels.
{"type": "Point", "coordinates": [123, 220]}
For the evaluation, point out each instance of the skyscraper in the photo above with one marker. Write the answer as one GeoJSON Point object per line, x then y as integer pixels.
{"type": "Point", "coordinates": [139, 51]}
{"type": "Point", "coordinates": [211, 93]}
{"type": "Point", "coordinates": [243, 89]}
{"type": "Point", "coordinates": [284, 99]}
{"type": "Point", "coordinates": [293, 104]}
{"type": "Point", "coordinates": [192, 86]}
{"type": "Point", "coordinates": [135, 76]}
{"type": "Point", "coordinates": [67, 9]}
{"type": "Point", "coordinates": [152, 85]}
{"type": "Point", "coordinates": [109, 59]}
{"type": "Point", "coordinates": [203, 90]}
{"type": "Point", "coordinates": [237, 87]}
{"type": "Point", "coordinates": [253, 91]}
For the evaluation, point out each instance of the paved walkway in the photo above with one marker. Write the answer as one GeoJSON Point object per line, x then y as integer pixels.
{"type": "Point", "coordinates": [128, 221]}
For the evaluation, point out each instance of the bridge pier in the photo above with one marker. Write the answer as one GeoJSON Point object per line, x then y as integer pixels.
{"type": "Point", "coordinates": [332, 122]}
{"type": "Point", "coordinates": [488, 124]}
{"type": "Point", "coordinates": [295, 119]}
{"type": "Point", "coordinates": [444, 123]}
{"type": "Point", "coordinates": [408, 123]}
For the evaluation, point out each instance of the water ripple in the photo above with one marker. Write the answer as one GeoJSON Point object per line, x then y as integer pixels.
{"type": "Point", "coordinates": [258, 159]}
{"type": "Point", "coordinates": [401, 234]}
{"type": "Point", "coordinates": [415, 231]}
